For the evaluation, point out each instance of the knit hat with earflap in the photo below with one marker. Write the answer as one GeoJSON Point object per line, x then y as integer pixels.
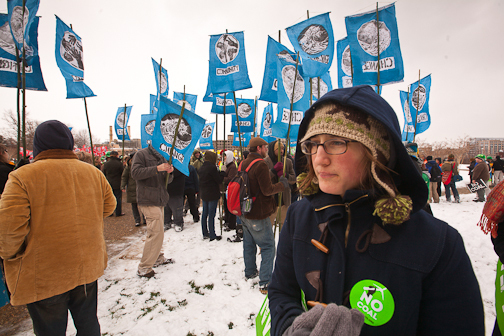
{"type": "Point", "coordinates": [365, 117]}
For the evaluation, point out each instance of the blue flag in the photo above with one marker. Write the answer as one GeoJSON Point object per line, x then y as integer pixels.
{"type": "Point", "coordinates": [419, 101]}
{"type": "Point", "coordinates": [20, 21]}
{"type": "Point", "coordinates": [69, 58]}
{"type": "Point", "coordinates": [245, 114]}
{"type": "Point", "coordinates": [121, 122]}
{"type": "Point", "coordinates": [325, 85]}
{"type": "Point", "coordinates": [153, 104]}
{"type": "Point", "coordinates": [147, 124]}
{"type": "Point", "coordinates": [190, 100]}
{"type": "Point", "coordinates": [344, 64]}
{"type": "Point", "coordinates": [266, 123]}
{"type": "Point", "coordinates": [160, 77]}
{"type": "Point", "coordinates": [228, 65]}
{"type": "Point", "coordinates": [363, 38]}
{"type": "Point", "coordinates": [189, 133]}
{"type": "Point", "coordinates": [218, 104]}
{"type": "Point", "coordinates": [8, 63]}
{"type": "Point", "coordinates": [245, 139]}
{"type": "Point", "coordinates": [286, 74]}
{"type": "Point", "coordinates": [409, 127]}
{"type": "Point", "coordinates": [205, 142]}
{"type": "Point", "coordinates": [314, 40]}
{"type": "Point", "coordinates": [270, 84]}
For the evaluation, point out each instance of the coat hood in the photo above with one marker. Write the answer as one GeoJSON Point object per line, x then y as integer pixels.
{"type": "Point", "coordinates": [363, 98]}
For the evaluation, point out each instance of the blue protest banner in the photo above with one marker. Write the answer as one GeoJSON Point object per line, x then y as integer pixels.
{"type": "Point", "coordinates": [363, 35]}
{"type": "Point", "coordinates": [325, 85]}
{"type": "Point", "coordinates": [266, 123]}
{"type": "Point", "coordinates": [69, 58]}
{"type": "Point", "coordinates": [8, 63]}
{"type": "Point", "coordinates": [162, 87]}
{"type": "Point", "coordinates": [228, 65]}
{"type": "Point", "coordinates": [419, 101]}
{"type": "Point", "coordinates": [205, 141]}
{"type": "Point", "coordinates": [20, 20]}
{"type": "Point", "coordinates": [344, 64]}
{"type": "Point", "coordinates": [245, 138]}
{"type": "Point", "coordinates": [190, 100]}
{"type": "Point", "coordinates": [147, 124]}
{"type": "Point", "coordinates": [121, 122]}
{"type": "Point", "coordinates": [314, 40]}
{"type": "Point", "coordinates": [408, 132]}
{"type": "Point", "coordinates": [189, 132]}
{"type": "Point", "coordinates": [245, 114]}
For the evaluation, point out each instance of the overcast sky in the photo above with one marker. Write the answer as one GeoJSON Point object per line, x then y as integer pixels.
{"type": "Point", "coordinates": [459, 42]}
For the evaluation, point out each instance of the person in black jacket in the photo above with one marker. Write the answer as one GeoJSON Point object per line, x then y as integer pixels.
{"type": "Point", "coordinates": [113, 170]}
{"type": "Point", "coordinates": [210, 180]}
{"type": "Point", "coordinates": [435, 177]}
{"type": "Point", "coordinates": [191, 188]}
{"type": "Point", "coordinates": [359, 239]}
{"type": "Point", "coordinates": [5, 167]}
{"type": "Point", "coordinates": [498, 167]}
{"type": "Point", "coordinates": [175, 206]}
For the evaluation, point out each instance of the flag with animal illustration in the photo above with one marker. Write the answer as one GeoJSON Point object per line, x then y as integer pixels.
{"type": "Point", "coordinates": [9, 64]}
{"type": "Point", "coordinates": [408, 132]}
{"type": "Point", "coordinates": [344, 60]}
{"type": "Point", "coordinates": [121, 122]}
{"type": "Point", "coordinates": [266, 123]}
{"type": "Point", "coordinates": [205, 141]}
{"type": "Point", "coordinates": [270, 84]}
{"type": "Point", "coordinates": [161, 79]}
{"type": "Point", "coordinates": [419, 103]}
{"type": "Point", "coordinates": [189, 133]}
{"type": "Point", "coordinates": [190, 100]}
{"type": "Point", "coordinates": [324, 83]}
{"type": "Point", "coordinates": [295, 88]}
{"type": "Point", "coordinates": [314, 40]}
{"type": "Point", "coordinates": [374, 44]}
{"type": "Point", "coordinates": [245, 138]}
{"type": "Point", "coordinates": [228, 65]}
{"type": "Point", "coordinates": [70, 59]}
{"type": "Point", "coordinates": [246, 115]}
{"type": "Point", "coordinates": [147, 124]}
{"type": "Point", "coordinates": [20, 20]}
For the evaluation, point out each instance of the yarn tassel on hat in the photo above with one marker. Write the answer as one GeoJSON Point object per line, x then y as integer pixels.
{"type": "Point", "coordinates": [394, 210]}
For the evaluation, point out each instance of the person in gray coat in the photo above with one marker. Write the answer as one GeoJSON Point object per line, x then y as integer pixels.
{"type": "Point", "coordinates": [150, 169]}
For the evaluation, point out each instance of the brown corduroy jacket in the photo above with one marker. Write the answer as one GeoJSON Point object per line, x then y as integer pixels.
{"type": "Point", "coordinates": [51, 226]}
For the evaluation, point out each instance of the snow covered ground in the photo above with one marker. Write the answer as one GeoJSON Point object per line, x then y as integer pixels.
{"type": "Point", "coordinates": [205, 293]}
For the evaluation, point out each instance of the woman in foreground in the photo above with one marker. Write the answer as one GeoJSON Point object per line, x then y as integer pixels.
{"type": "Point", "coordinates": [358, 248]}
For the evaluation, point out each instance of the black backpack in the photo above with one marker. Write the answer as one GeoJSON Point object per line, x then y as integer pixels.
{"type": "Point", "coordinates": [436, 174]}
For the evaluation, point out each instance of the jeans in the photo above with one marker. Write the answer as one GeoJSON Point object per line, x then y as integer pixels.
{"type": "Point", "coordinates": [258, 232]}
{"type": "Point", "coordinates": [451, 186]}
{"type": "Point", "coordinates": [118, 196]}
{"type": "Point", "coordinates": [208, 215]}
{"type": "Point", "coordinates": [175, 207]}
{"type": "Point", "coordinates": [50, 316]}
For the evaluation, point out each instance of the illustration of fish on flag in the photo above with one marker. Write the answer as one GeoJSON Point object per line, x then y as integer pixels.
{"type": "Point", "coordinates": [246, 109]}
{"type": "Point", "coordinates": [325, 85]}
{"type": "Point", "coordinates": [189, 133]}
{"type": "Point", "coordinates": [228, 66]}
{"type": "Point", "coordinates": [286, 73]}
{"type": "Point", "coordinates": [419, 101]}
{"type": "Point", "coordinates": [245, 139]}
{"type": "Point", "coordinates": [363, 35]}
{"type": "Point", "coordinates": [8, 63]}
{"type": "Point", "coordinates": [205, 141]}
{"type": "Point", "coordinates": [408, 132]}
{"type": "Point", "coordinates": [190, 99]}
{"type": "Point", "coordinates": [121, 123]}
{"type": "Point", "coordinates": [314, 40]}
{"type": "Point", "coordinates": [20, 21]}
{"type": "Point", "coordinates": [266, 123]}
{"type": "Point", "coordinates": [70, 60]}
{"type": "Point", "coordinates": [161, 89]}
{"type": "Point", "coordinates": [344, 64]}
{"type": "Point", "coordinates": [147, 123]}
{"type": "Point", "coordinates": [270, 84]}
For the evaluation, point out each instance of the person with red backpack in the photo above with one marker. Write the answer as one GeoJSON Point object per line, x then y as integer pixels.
{"type": "Point", "coordinates": [257, 230]}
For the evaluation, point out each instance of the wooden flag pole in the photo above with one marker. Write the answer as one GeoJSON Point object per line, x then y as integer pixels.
{"type": "Point", "coordinates": [378, 35]}
{"type": "Point", "coordinates": [418, 104]}
{"type": "Point", "coordinates": [255, 113]}
{"type": "Point", "coordinates": [238, 124]}
{"type": "Point", "coordinates": [224, 125]}
{"type": "Point", "coordinates": [123, 130]}
{"type": "Point", "coordinates": [160, 76]}
{"type": "Point", "coordinates": [406, 121]}
{"type": "Point", "coordinates": [175, 138]}
{"type": "Point", "coordinates": [23, 64]}
{"type": "Point", "coordinates": [89, 129]}
{"type": "Point", "coordinates": [19, 85]}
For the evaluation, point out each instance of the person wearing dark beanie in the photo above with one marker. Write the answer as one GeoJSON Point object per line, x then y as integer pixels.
{"type": "Point", "coordinates": [51, 234]}
{"type": "Point", "coordinates": [52, 134]}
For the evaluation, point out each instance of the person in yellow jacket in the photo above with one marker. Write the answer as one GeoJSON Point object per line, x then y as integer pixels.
{"type": "Point", "coordinates": [51, 234]}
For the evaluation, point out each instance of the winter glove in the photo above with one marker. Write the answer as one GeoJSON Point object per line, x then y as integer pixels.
{"type": "Point", "coordinates": [279, 168]}
{"type": "Point", "coordinates": [284, 182]}
{"type": "Point", "coordinates": [332, 320]}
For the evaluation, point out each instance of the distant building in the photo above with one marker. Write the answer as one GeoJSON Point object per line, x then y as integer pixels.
{"type": "Point", "coordinates": [486, 146]}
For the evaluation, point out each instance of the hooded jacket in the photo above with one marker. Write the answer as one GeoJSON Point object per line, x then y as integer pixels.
{"type": "Point", "coordinates": [422, 263]}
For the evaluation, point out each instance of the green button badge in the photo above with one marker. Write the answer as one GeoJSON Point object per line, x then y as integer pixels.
{"type": "Point", "coordinates": [374, 300]}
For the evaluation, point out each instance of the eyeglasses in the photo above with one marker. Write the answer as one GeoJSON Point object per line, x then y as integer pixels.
{"type": "Point", "coordinates": [331, 147]}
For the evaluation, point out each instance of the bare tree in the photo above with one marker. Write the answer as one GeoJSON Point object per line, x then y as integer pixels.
{"type": "Point", "coordinates": [459, 148]}
{"type": "Point", "coordinates": [81, 138]}
{"type": "Point", "coordinates": [11, 127]}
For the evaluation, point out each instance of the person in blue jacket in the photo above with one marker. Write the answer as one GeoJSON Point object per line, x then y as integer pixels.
{"type": "Point", "coordinates": [358, 248]}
